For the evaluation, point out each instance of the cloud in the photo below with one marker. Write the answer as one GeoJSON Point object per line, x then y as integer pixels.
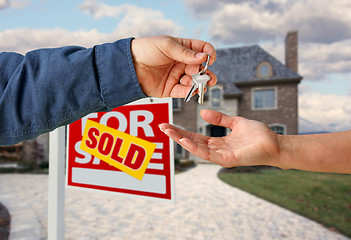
{"type": "Point", "coordinates": [324, 45]}
{"type": "Point", "coordinates": [249, 21]}
{"type": "Point", "coordinates": [4, 4]}
{"type": "Point", "coordinates": [321, 59]}
{"type": "Point", "coordinates": [13, 4]}
{"type": "Point", "coordinates": [23, 40]}
{"type": "Point", "coordinates": [319, 112]}
{"type": "Point", "coordinates": [317, 61]}
{"type": "Point", "coordinates": [132, 19]}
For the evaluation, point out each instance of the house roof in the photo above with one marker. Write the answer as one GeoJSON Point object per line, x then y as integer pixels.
{"type": "Point", "coordinates": [237, 66]}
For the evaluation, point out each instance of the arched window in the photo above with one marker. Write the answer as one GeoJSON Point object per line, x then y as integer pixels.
{"type": "Point", "coordinates": [278, 128]}
{"type": "Point", "coordinates": [264, 70]}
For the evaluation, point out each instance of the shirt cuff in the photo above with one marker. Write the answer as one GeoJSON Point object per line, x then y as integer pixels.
{"type": "Point", "coordinates": [116, 73]}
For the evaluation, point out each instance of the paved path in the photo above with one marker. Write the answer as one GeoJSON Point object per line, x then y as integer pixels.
{"type": "Point", "coordinates": [205, 208]}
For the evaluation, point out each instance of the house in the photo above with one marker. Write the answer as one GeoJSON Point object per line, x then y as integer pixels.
{"type": "Point", "coordinates": [252, 84]}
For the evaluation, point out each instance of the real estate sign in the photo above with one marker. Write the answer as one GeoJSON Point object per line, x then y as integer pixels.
{"type": "Point", "coordinates": [139, 119]}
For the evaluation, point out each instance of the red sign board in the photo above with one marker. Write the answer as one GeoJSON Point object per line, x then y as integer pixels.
{"type": "Point", "coordinates": [140, 119]}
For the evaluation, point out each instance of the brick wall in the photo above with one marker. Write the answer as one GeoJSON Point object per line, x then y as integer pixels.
{"type": "Point", "coordinates": [291, 51]}
{"type": "Point", "coordinates": [186, 117]}
{"type": "Point", "coordinates": [286, 112]}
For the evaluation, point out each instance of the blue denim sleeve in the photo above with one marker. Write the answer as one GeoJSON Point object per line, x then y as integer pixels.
{"type": "Point", "coordinates": [48, 88]}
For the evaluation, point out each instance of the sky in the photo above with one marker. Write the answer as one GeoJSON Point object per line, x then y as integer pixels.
{"type": "Point", "coordinates": [324, 31]}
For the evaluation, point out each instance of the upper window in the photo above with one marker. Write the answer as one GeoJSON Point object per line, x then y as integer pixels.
{"type": "Point", "coordinates": [264, 69]}
{"type": "Point", "coordinates": [216, 97]}
{"type": "Point", "coordinates": [264, 98]}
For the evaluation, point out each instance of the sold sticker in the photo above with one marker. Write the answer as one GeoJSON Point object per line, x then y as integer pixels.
{"type": "Point", "coordinates": [121, 150]}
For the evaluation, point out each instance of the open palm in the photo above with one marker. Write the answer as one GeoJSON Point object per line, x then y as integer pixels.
{"type": "Point", "coordinates": [249, 143]}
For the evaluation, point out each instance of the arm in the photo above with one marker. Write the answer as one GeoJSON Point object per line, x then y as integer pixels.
{"type": "Point", "coordinates": [329, 152]}
{"type": "Point", "coordinates": [48, 88]}
{"type": "Point", "coordinates": [253, 143]}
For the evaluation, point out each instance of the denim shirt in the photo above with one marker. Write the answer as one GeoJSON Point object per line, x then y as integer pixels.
{"type": "Point", "coordinates": [48, 88]}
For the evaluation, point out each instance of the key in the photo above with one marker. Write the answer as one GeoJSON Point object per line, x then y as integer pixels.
{"type": "Point", "coordinates": [206, 65]}
{"type": "Point", "coordinates": [191, 91]}
{"type": "Point", "coordinates": [201, 81]}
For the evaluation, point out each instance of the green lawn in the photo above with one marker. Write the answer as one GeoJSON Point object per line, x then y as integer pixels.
{"type": "Point", "coordinates": [325, 198]}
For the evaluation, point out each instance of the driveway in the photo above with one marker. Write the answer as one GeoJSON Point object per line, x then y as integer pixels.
{"type": "Point", "coordinates": [206, 208]}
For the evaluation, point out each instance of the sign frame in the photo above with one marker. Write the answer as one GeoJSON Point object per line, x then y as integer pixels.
{"type": "Point", "coordinates": [144, 101]}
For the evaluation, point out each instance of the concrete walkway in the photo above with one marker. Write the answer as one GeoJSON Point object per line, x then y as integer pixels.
{"type": "Point", "coordinates": [205, 208]}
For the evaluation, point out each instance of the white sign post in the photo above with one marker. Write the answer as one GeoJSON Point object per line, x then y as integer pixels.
{"type": "Point", "coordinates": [56, 198]}
{"type": "Point", "coordinates": [141, 119]}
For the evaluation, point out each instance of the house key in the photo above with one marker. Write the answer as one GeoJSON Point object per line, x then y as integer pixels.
{"type": "Point", "coordinates": [199, 82]}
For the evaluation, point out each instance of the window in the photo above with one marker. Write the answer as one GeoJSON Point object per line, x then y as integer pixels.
{"type": "Point", "coordinates": [177, 105]}
{"type": "Point", "coordinates": [179, 151]}
{"type": "Point", "coordinates": [278, 129]}
{"type": "Point", "coordinates": [264, 98]}
{"type": "Point", "coordinates": [264, 70]}
{"type": "Point", "coordinates": [216, 97]}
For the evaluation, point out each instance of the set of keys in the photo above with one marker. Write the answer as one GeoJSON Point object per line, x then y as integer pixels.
{"type": "Point", "coordinates": [199, 82]}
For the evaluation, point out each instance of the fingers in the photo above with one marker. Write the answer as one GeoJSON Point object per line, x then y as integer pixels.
{"type": "Point", "coordinates": [187, 80]}
{"type": "Point", "coordinates": [177, 133]}
{"type": "Point", "coordinates": [201, 47]}
{"type": "Point", "coordinates": [194, 143]}
{"type": "Point", "coordinates": [213, 79]}
{"type": "Point", "coordinates": [184, 72]}
{"type": "Point", "coordinates": [217, 118]}
{"type": "Point", "coordinates": [190, 51]}
{"type": "Point", "coordinates": [196, 149]}
{"type": "Point", "coordinates": [180, 91]}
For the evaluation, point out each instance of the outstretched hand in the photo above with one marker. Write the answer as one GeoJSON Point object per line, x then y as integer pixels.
{"type": "Point", "coordinates": [164, 64]}
{"type": "Point", "coordinates": [249, 143]}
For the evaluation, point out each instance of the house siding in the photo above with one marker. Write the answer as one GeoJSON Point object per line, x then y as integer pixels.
{"type": "Point", "coordinates": [286, 112]}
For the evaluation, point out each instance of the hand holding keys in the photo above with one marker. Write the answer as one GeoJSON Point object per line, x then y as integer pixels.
{"type": "Point", "coordinates": [199, 82]}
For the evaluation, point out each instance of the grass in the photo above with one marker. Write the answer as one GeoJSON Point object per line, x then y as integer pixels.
{"type": "Point", "coordinates": [323, 197]}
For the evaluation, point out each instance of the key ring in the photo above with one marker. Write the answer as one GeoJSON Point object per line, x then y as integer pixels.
{"type": "Point", "coordinates": [206, 66]}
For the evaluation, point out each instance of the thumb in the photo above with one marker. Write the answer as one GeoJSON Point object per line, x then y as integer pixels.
{"type": "Point", "coordinates": [185, 55]}
{"type": "Point", "coordinates": [217, 118]}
